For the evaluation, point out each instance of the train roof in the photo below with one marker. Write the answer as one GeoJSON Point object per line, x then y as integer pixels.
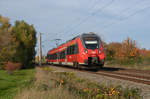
{"type": "Point", "coordinates": [91, 34]}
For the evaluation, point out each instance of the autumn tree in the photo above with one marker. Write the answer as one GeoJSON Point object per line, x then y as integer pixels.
{"type": "Point", "coordinates": [25, 38]}
{"type": "Point", "coordinates": [125, 52]}
{"type": "Point", "coordinates": [4, 23]}
{"type": "Point", "coordinates": [148, 54]}
{"type": "Point", "coordinates": [112, 49]}
{"type": "Point", "coordinates": [128, 52]}
{"type": "Point", "coordinates": [7, 48]}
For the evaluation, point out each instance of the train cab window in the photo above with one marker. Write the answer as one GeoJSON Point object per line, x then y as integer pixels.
{"type": "Point", "coordinates": [91, 42]}
{"type": "Point", "coordinates": [91, 46]}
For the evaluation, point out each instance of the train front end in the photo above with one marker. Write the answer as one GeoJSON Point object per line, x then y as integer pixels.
{"type": "Point", "coordinates": [93, 50]}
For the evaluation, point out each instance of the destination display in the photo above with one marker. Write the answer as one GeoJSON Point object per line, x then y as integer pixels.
{"type": "Point", "coordinates": [90, 42]}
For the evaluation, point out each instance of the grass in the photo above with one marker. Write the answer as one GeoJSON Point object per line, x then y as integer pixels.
{"type": "Point", "coordinates": [11, 84]}
{"type": "Point", "coordinates": [143, 64]}
{"type": "Point", "coordinates": [65, 85]}
{"type": "Point", "coordinates": [129, 66]}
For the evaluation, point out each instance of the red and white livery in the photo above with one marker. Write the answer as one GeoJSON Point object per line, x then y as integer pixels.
{"type": "Point", "coordinates": [84, 49]}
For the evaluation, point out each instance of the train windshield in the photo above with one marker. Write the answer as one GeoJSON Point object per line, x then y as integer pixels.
{"type": "Point", "coordinates": [91, 42]}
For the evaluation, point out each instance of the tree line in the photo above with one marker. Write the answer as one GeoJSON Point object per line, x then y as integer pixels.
{"type": "Point", "coordinates": [17, 43]}
{"type": "Point", "coordinates": [126, 52]}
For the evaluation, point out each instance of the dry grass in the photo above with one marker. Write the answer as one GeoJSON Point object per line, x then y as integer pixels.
{"type": "Point", "coordinates": [58, 93]}
{"type": "Point", "coordinates": [45, 88]}
{"type": "Point", "coordinates": [65, 85]}
{"type": "Point", "coordinates": [138, 67]}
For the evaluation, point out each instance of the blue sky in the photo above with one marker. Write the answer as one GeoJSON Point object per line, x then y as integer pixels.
{"type": "Point", "coordinates": [113, 20]}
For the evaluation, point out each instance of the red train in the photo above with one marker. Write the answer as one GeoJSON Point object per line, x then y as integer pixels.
{"type": "Point", "coordinates": [84, 49]}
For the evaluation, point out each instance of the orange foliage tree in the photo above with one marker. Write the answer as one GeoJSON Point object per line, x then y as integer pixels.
{"type": "Point", "coordinates": [111, 50]}
{"type": "Point", "coordinates": [128, 49]}
{"type": "Point", "coordinates": [124, 52]}
{"type": "Point", "coordinates": [148, 54]}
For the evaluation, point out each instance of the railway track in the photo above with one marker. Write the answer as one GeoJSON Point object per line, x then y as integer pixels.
{"type": "Point", "coordinates": [123, 74]}
{"type": "Point", "coordinates": [128, 77]}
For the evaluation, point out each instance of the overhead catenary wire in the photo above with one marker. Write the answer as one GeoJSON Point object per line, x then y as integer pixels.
{"type": "Point", "coordinates": [77, 19]}
{"type": "Point", "coordinates": [88, 17]}
{"type": "Point", "coordinates": [115, 22]}
{"type": "Point", "coordinates": [92, 14]}
{"type": "Point", "coordinates": [131, 15]}
{"type": "Point", "coordinates": [106, 25]}
{"type": "Point", "coordinates": [82, 21]}
{"type": "Point", "coordinates": [90, 10]}
{"type": "Point", "coordinates": [122, 12]}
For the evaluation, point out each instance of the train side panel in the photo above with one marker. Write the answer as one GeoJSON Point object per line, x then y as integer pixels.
{"type": "Point", "coordinates": [82, 50]}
